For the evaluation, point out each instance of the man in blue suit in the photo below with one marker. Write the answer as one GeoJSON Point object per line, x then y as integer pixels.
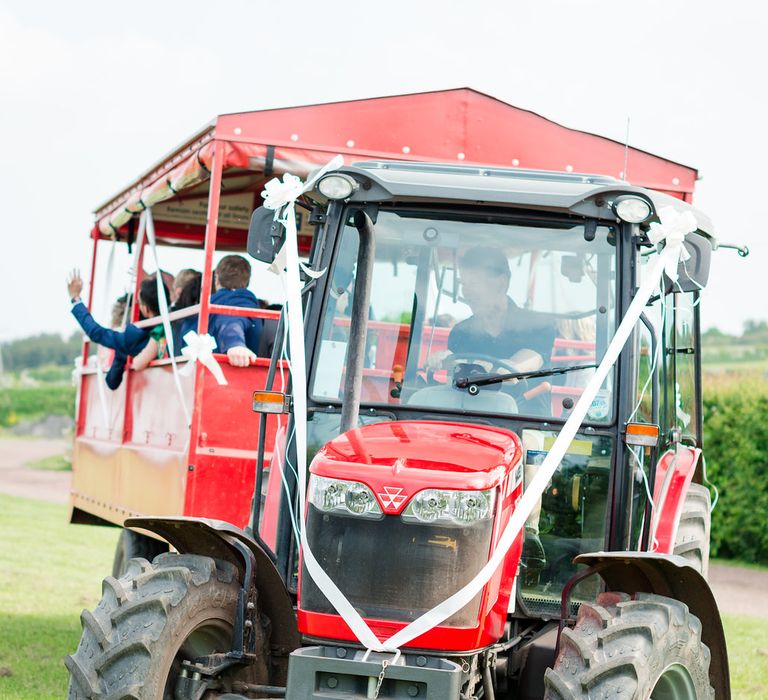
{"type": "Point", "coordinates": [143, 344]}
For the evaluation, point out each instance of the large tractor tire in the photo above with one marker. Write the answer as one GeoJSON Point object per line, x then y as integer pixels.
{"type": "Point", "coordinates": [148, 622]}
{"type": "Point", "coordinates": [134, 545]}
{"type": "Point", "coordinates": [623, 649]}
{"type": "Point", "coordinates": [692, 539]}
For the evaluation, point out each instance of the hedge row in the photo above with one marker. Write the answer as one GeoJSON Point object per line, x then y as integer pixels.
{"type": "Point", "coordinates": [736, 448]}
{"type": "Point", "coordinates": [26, 403]}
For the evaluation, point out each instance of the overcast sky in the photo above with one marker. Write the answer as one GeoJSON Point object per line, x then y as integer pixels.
{"type": "Point", "coordinates": [92, 93]}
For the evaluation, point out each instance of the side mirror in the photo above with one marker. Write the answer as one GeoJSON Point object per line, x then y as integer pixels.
{"type": "Point", "coordinates": [693, 274]}
{"type": "Point", "coordinates": [265, 235]}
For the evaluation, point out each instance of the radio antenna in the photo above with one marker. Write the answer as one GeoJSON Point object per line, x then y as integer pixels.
{"type": "Point", "coordinates": [626, 153]}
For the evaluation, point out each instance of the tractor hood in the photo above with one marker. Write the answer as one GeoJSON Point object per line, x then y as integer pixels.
{"type": "Point", "coordinates": [408, 456]}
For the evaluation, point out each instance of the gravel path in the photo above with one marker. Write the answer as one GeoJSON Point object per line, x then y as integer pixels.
{"type": "Point", "coordinates": [739, 591]}
{"type": "Point", "coordinates": [18, 480]}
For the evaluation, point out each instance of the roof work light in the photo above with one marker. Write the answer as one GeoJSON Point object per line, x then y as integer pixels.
{"type": "Point", "coordinates": [633, 210]}
{"type": "Point", "coordinates": [337, 186]}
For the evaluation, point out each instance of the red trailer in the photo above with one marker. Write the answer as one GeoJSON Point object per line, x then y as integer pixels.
{"type": "Point", "coordinates": [134, 452]}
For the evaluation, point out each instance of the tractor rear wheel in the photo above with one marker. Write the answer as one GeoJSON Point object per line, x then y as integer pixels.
{"type": "Point", "coordinates": [692, 539]}
{"type": "Point", "coordinates": [133, 545]}
{"type": "Point", "coordinates": [148, 622]}
{"type": "Point", "coordinates": [649, 647]}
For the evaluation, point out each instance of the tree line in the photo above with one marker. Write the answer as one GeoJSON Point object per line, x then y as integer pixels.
{"type": "Point", "coordinates": [753, 333]}
{"type": "Point", "coordinates": [40, 350]}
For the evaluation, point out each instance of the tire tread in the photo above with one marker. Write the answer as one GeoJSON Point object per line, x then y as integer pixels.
{"type": "Point", "coordinates": [130, 625]}
{"type": "Point", "coordinates": [624, 658]}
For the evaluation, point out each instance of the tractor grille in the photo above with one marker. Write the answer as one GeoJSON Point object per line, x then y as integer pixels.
{"type": "Point", "coordinates": [545, 607]}
{"type": "Point", "coordinates": [395, 570]}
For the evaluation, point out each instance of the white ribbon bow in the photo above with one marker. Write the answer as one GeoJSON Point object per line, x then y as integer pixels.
{"type": "Point", "coordinates": [672, 230]}
{"type": "Point", "coordinates": [278, 193]}
{"type": "Point", "coordinates": [201, 347]}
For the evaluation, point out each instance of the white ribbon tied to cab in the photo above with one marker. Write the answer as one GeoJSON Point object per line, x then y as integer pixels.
{"type": "Point", "coordinates": [199, 348]}
{"type": "Point", "coordinates": [674, 226]}
{"type": "Point", "coordinates": [668, 235]}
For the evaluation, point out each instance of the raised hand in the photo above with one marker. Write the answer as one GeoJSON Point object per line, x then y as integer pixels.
{"type": "Point", "coordinates": [74, 283]}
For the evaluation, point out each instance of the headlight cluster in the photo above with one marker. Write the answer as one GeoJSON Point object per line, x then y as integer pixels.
{"type": "Point", "coordinates": [451, 507]}
{"type": "Point", "coordinates": [441, 506]}
{"type": "Point", "coordinates": [338, 496]}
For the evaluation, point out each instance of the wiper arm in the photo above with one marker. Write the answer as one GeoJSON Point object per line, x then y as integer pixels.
{"type": "Point", "coordinates": [477, 380]}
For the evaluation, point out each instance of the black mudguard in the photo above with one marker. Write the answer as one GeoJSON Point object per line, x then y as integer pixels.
{"type": "Point", "coordinates": [212, 538]}
{"type": "Point", "coordinates": [673, 577]}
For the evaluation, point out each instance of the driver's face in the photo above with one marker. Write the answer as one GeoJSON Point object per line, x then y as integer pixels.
{"type": "Point", "coordinates": [484, 291]}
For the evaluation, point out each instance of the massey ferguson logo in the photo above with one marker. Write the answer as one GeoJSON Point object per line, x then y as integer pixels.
{"type": "Point", "coordinates": [392, 498]}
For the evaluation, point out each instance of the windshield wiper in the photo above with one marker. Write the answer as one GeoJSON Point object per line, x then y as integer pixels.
{"type": "Point", "coordinates": [476, 380]}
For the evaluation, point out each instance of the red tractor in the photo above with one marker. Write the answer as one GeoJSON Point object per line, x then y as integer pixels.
{"type": "Point", "coordinates": [453, 317]}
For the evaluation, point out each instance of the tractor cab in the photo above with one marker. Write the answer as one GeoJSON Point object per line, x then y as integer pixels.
{"type": "Point", "coordinates": [496, 313]}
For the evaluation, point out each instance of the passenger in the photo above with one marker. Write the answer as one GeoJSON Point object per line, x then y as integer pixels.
{"type": "Point", "coordinates": [179, 282]}
{"type": "Point", "coordinates": [120, 312]}
{"type": "Point", "coordinates": [236, 336]}
{"type": "Point", "coordinates": [119, 316]}
{"type": "Point", "coordinates": [167, 280]}
{"type": "Point", "coordinates": [144, 345]}
{"type": "Point", "coordinates": [188, 296]}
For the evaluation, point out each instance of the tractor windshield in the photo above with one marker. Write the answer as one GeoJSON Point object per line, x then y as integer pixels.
{"type": "Point", "coordinates": [456, 295]}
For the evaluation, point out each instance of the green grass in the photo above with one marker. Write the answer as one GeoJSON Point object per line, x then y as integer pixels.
{"type": "Point", "coordinates": [747, 640]}
{"type": "Point", "coordinates": [57, 463]}
{"type": "Point", "coordinates": [51, 570]}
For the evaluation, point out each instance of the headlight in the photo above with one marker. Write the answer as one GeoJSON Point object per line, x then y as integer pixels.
{"type": "Point", "coordinates": [337, 186]}
{"type": "Point", "coordinates": [633, 210]}
{"type": "Point", "coordinates": [345, 497]}
{"type": "Point", "coordinates": [452, 507]}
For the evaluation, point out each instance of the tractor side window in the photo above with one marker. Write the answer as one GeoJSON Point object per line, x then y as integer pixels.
{"type": "Point", "coordinates": [648, 358]}
{"type": "Point", "coordinates": [686, 405]}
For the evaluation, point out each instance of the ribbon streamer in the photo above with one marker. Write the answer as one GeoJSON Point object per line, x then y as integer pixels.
{"type": "Point", "coordinates": [281, 195]}
{"type": "Point", "coordinates": [100, 377]}
{"type": "Point", "coordinates": [201, 347]}
{"type": "Point", "coordinates": [146, 220]}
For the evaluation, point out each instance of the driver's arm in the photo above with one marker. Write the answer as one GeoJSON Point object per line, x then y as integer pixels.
{"type": "Point", "coordinates": [526, 360]}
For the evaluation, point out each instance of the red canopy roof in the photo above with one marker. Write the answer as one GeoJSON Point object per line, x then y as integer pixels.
{"type": "Point", "coordinates": [456, 126]}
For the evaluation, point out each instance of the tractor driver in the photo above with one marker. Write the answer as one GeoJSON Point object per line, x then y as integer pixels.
{"type": "Point", "coordinates": [498, 327]}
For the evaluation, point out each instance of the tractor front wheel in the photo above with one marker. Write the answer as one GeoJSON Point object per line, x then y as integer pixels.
{"type": "Point", "coordinates": [133, 545]}
{"type": "Point", "coordinates": [179, 608]}
{"type": "Point", "coordinates": [649, 647]}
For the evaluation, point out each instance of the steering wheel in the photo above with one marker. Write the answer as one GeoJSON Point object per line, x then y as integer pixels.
{"type": "Point", "coordinates": [495, 362]}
